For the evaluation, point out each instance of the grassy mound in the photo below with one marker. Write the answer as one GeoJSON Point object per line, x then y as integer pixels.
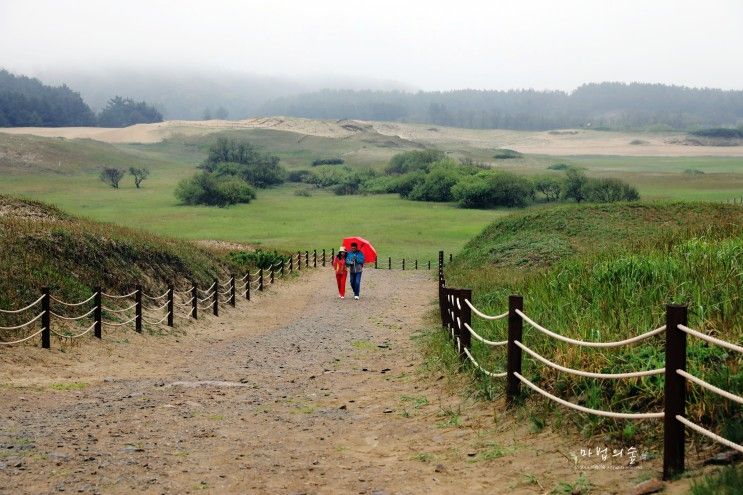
{"type": "Point", "coordinates": [42, 246]}
{"type": "Point", "coordinates": [542, 236]}
{"type": "Point", "coordinates": [20, 153]}
{"type": "Point", "coordinates": [603, 273]}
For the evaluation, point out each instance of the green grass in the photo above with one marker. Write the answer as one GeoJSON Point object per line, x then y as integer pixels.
{"type": "Point", "coordinates": [726, 481]}
{"type": "Point", "coordinates": [602, 273]}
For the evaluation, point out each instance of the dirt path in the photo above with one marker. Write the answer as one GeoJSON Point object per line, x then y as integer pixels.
{"type": "Point", "coordinates": [294, 393]}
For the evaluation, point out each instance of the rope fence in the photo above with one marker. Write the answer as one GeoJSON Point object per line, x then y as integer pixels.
{"type": "Point", "coordinates": [456, 311]}
{"type": "Point", "coordinates": [162, 309]}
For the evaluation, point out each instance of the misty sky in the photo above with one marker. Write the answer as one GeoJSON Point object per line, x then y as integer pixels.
{"type": "Point", "coordinates": [549, 44]}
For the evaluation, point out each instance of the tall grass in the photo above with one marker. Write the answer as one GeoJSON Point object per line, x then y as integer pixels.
{"type": "Point", "coordinates": [620, 293]}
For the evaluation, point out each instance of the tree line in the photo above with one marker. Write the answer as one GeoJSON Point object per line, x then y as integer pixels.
{"type": "Point", "coordinates": [605, 105]}
{"type": "Point", "coordinates": [26, 102]}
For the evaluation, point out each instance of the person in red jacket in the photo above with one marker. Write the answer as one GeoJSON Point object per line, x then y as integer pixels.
{"type": "Point", "coordinates": [339, 265]}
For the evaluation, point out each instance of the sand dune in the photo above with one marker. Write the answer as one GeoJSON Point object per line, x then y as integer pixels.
{"type": "Point", "coordinates": [560, 143]}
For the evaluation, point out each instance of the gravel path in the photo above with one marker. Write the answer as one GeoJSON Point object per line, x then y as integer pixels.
{"type": "Point", "coordinates": [298, 392]}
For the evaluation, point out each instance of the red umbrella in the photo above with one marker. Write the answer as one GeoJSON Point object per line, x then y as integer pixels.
{"type": "Point", "coordinates": [370, 254]}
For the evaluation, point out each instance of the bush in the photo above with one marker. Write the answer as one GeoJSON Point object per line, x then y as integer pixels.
{"type": "Point", "coordinates": [305, 193]}
{"type": "Point", "coordinates": [257, 258]}
{"type": "Point", "coordinates": [573, 186]}
{"type": "Point", "coordinates": [693, 171]}
{"type": "Point", "coordinates": [298, 175]}
{"type": "Point", "coordinates": [382, 185]}
{"type": "Point", "coordinates": [559, 166]}
{"type": "Point", "coordinates": [719, 132]}
{"type": "Point", "coordinates": [549, 187]}
{"type": "Point", "coordinates": [328, 175]}
{"type": "Point", "coordinates": [506, 154]}
{"type": "Point", "coordinates": [327, 161]}
{"type": "Point", "coordinates": [488, 189]}
{"type": "Point", "coordinates": [407, 182]}
{"type": "Point", "coordinates": [437, 184]}
{"type": "Point", "coordinates": [208, 189]}
{"type": "Point", "coordinates": [410, 161]}
{"type": "Point", "coordinates": [353, 182]}
{"type": "Point", "coordinates": [242, 159]}
{"type": "Point", "coordinates": [609, 191]}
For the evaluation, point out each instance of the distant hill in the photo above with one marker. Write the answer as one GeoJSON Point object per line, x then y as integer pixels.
{"type": "Point", "coordinates": [27, 102]}
{"type": "Point", "coordinates": [602, 105]}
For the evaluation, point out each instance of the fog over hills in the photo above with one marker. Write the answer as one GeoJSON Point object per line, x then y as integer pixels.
{"type": "Point", "coordinates": [189, 93]}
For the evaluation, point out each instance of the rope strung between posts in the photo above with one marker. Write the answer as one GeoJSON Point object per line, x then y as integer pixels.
{"type": "Point", "coordinates": [709, 386]}
{"type": "Point", "coordinates": [483, 315]}
{"type": "Point", "coordinates": [113, 296]}
{"type": "Point", "coordinates": [241, 287]}
{"type": "Point", "coordinates": [23, 339]}
{"type": "Point", "coordinates": [209, 289]}
{"type": "Point", "coordinates": [157, 322]}
{"type": "Point", "coordinates": [597, 412]}
{"type": "Point", "coordinates": [151, 298]}
{"type": "Point", "coordinates": [589, 374]}
{"type": "Point", "coordinates": [120, 324]}
{"type": "Point", "coordinates": [226, 293]}
{"type": "Point", "coordinates": [158, 308]}
{"type": "Point", "coordinates": [207, 298]}
{"type": "Point", "coordinates": [709, 434]}
{"type": "Point", "coordinates": [111, 310]}
{"type": "Point", "coordinates": [712, 340]}
{"type": "Point", "coordinates": [24, 324]}
{"type": "Point", "coordinates": [75, 317]}
{"type": "Point", "coordinates": [483, 340]}
{"type": "Point", "coordinates": [16, 311]}
{"type": "Point", "coordinates": [489, 373]}
{"type": "Point", "coordinates": [72, 304]}
{"type": "Point", "coordinates": [187, 302]}
{"type": "Point", "coordinates": [183, 292]}
{"type": "Point", "coordinates": [589, 344]}
{"type": "Point", "coordinates": [65, 336]}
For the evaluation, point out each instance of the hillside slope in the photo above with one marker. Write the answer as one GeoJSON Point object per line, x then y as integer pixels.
{"type": "Point", "coordinates": [41, 246]}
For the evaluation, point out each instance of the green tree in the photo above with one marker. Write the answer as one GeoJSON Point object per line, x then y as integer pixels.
{"type": "Point", "coordinates": [112, 176]}
{"type": "Point", "coordinates": [549, 187]}
{"type": "Point", "coordinates": [139, 175]}
{"type": "Point", "coordinates": [609, 191]}
{"type": "Point", "coordinates": [123, 112]}
{"type": "Point", "coordinates": [575, 181]}
{"type": "Point", "coordinates": [208, 189]}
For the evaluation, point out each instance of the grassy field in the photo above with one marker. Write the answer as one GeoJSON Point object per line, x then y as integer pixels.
{"type": "Point", "coordinates": [62, 172]}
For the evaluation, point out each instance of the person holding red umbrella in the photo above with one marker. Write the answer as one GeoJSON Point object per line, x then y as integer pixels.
{"type": "Point", "coordinates": [355, 264]}
{"type": "Point", "coordinates": [339, 265]}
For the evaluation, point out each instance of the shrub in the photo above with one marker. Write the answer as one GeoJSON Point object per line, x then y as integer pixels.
{"type": "Point", "coordinates": [139, 175]}
{"type": "Point", "coordinates": [559, 166]}
{"type": "Point", "coordinates": [305, 193]}
{"type": "Point", "coordinates": [506, 154]}
{"type": "Point", "coordinates": [111, 176]}
{"type": "Point", "coordinates": [382, 185]}
{"type": "Point", "coordinates": [298, 175]}
{"type": "Point", "coordinates": [573, 186]}
{"type": "Point", "coordinates": [549, 187]}
{"type": "Point", "coordinates": [609, 191]}
{"type": "Point", "coordinates": [410, 161]}
{"type": "Point", "coordinates": [257, 258]}
{"type": "Point", "coordinates": [208, 189]}
{"type": "Point", "coordinates": [488, 189]}
{"type": "Point", "coordinates": [328, 175]}
{"type": "Point", "coordinates": [353, 182]}
{"type": "Point", "coordinates": [407, 182]}
{"type": "Point", "coordinates": [242, 159]}
{"type": "Point", "coordinates": [693, 171]}
{"type": "Point", "coordinates": [437, 184]}
{"type": "Point", "coordinates": [327, 161]}
{"type": "Point", "coordinates": [719, 132]}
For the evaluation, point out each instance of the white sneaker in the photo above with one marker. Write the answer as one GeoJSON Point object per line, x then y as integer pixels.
{"type": "Point", "coordinates": [356, 297]}
{"type": "Point", "coordinates": [343, 297]}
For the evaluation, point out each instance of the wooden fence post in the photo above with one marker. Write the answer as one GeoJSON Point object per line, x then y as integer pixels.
{"type": "Point", "coordinates": [515, 331]}
{"type": "Point", "coordinates": [138, 309]}
{"type": "Point", "coordinates": [291, 264]}
{"type": "Point", "coordinates": [260, 280]}
{"type": "Point", "coordinates": [389, 263]}
{"type": "Point", "coordinates": [332, 254]}
{"type": "Point", "coordinates": [171, 305]}
{"type": "Point", "coordinates": [403, 264]}
{"type": "Point", "coordinates": [674, 434]}
{"type": "Point", "coordinates": [46, 319]}
{"type": "Point", "coordinates": [194, 300]}
{"type": "Point", "coordinates": [233, 302]}
{"type": "Point", "coordinates": [323, 257]}
{"type": "Point", "coordinates": [376, 266]}
{"type": "Point", "coordinates": [429, 264]}
{"type": "Point", "coordinates": [441, 287]}
{"type": "Point", "coordinates": [465, 315]}
{"type": "Point", "coordinates": [306, 259]}
{"type": "Point", "coordinates": [215, 301]}
{"type": "Point", "coordinates": [314, 258]}
{"type": "Point", "coordinates": [299, 260]}
{"type": "Point", "coordinates": [98, 313]}
{"type": "Point", "coordinates": [247, 286]}
{"type": "Point", "coordinates": [451, 256]}
{"type": "Point", "coordinates": [416, 263]}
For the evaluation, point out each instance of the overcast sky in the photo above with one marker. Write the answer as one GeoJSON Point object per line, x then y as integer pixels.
{"type": "Point", "coordinates": [430, 45]}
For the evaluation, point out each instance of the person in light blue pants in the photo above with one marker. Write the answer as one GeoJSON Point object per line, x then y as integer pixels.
{"type": "Point", "coordinates": [355, 264]}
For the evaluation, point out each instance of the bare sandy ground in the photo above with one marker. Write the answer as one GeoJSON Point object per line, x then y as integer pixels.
{"type": "Point", "coordinates": [294, 392]}
{"type": "Point", "coordinates": [559, 143]}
